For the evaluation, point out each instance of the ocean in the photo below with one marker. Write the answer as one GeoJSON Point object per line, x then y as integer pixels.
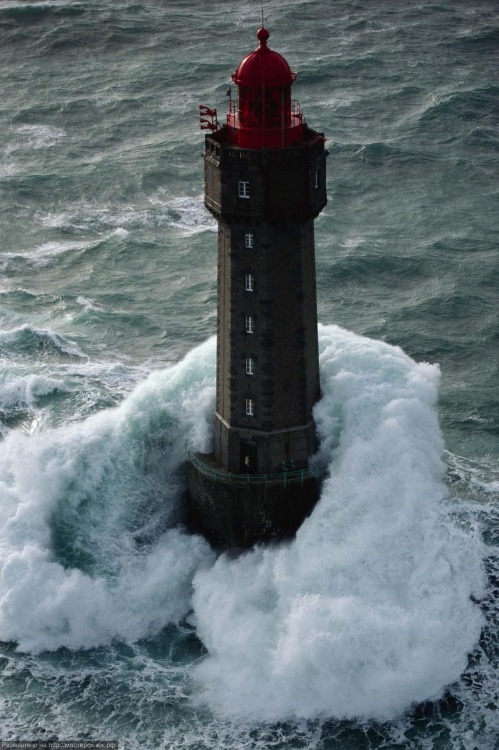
{"type": "Point", "coordinates": [376, 628]}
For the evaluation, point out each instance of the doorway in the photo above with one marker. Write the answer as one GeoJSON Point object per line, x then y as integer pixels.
{"type": "Point", "coordinates": [247, 458]}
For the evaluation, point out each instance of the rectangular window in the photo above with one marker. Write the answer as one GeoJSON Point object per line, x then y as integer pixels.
{"type": "Point", "coordinates": [316, 183]}
{"type": "Point", "coordinates": [248, 240]}
{"type": "Point", "coordinates": [249, 324]}
{"type": "Point", "coordinates": [243, 189]}
{"type": "Point", "coordinates": [250, 365]}
{"type": "Point", "coordinates": [249, 407]}
{"type": "Point", "coordinates": [248, 282]}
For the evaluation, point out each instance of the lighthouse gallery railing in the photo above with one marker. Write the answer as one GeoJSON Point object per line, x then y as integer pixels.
{"type": "Point", "coordinates": [282, 478]}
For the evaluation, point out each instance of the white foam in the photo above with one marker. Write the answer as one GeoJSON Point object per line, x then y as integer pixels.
{"type": "Point", "coordinates": [365, 612]}
{"type": "Point", "coordinates": [40, 136]}
{"type": "Point", "coordinates": [185, 214]}
{"type": "Point", "coordinates": [351, 243]}
{"type": "Point", "coordinates": [49, 249]}
{"type": "Point", "coordinates": [13, 335]}
{"type": "Point", "coordinates": [192, 216]}
{"type": "Point", "coordinates": [28, 389]}
{"type": "Point", "coordinates": [369, 608]}
{"type": "Point", "coordinates": [42, 255]}
{"type": "Point", "coordinates": [117, 377]}
{"type": "Point", "coordinates": [8, 167]}
{"type": "Point", "coordinates": [87, 304]}
{"type": "Point", "coordinates": [40, 4]}
{"type": "Point", "coordinates": [481, 478]}
{"type": "Point", "coordinates": [89, 482]}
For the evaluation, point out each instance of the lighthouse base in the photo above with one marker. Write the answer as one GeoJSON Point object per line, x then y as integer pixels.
{"type": "Point", "coordinates": [238, 510]}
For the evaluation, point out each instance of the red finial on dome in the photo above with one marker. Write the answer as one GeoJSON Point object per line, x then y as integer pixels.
{"type": "Point", "coordinates": [262, 35]}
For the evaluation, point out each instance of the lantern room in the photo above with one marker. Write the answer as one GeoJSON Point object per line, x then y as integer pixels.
{"type": "Point", "coordinates": [264, 115]}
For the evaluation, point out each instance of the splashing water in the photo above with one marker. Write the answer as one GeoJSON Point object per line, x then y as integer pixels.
{"type": "Point", "coordinates": [87, 555]}
{"type": "Point", "coordinates": [365, 612]}
{"type": "Point", "coordinates": [369, 608]}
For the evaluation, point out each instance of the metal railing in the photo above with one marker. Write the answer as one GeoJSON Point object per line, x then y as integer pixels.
{"type": "Point", "coordinates": [295, 115]}
{"type": "Point", "coordinates": [283, 478]}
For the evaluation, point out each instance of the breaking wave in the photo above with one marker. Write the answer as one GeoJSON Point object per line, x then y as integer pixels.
{"type": "Point", "coordinates": [28, 340]}
{"type": "Point", "coordinates": [368, 610]}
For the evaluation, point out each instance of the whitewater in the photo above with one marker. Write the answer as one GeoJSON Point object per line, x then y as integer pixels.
{"type": "Point", "coordinates": [370, 609]}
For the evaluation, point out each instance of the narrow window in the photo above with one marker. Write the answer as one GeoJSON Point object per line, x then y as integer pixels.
{"type": "Point", "coordinates": [248, 240]}
{"type": "Point", "coordinates": [243, 189]}
{"type": "Point", "coordinates": [249, 407]}
{"type": "Point", "coordinates": [250, 366]}
{"type": "Point", "coordinates": [249, 324]}
{"type": "Point", "coordinates": [316, 183]}
{"type": "Point", "coordinates": [248, 282]}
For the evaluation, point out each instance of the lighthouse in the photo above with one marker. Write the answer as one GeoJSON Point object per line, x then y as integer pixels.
{"type": "Point", "coordinates": [265, 183]}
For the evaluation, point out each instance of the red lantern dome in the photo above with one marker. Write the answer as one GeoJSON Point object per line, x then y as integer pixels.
{"type": "Point", "coordinates": [263, 67]}
{"type": "Point", "coordinates": [265, 116]}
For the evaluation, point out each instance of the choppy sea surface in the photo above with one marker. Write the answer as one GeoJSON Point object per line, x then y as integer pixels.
{"type": "Point", "coordinates": [377, 627]}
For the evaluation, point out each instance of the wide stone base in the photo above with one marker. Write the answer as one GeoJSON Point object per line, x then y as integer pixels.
{"type": "Point", "coordinates": [237, 511]}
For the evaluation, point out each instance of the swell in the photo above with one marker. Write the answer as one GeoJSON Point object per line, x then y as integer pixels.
{"type": "Point", "coordinates": [484, 41]}
{"type": "Point", "coordinates": [39, 10]}
{"type": "Point", "coordinates": [31, 342]}
{"type": "Point", "coordinates": [472, 105]}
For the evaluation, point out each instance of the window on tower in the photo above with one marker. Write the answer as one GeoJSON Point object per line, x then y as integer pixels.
{"type": "Point", "coordinates": [316, 181]}
{"type": "Point", "coordinates": [248, 282]}
{"type": "Point", "coordinates": [249, 407]}
{"type": "Point", "coordinates": [250, 366]}
{"type": "Point", "coordinates": [248, 240]}
{"type": "Point", "coordinates": [249, 324]}
{"type": "Point", "coordinates": [243, 189]}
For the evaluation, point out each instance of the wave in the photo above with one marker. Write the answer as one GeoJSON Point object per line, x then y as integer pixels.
{"type": "Point", "coordinates": [27, 390]}
{"type": "Point", "coordinates": [39, 9]}
{"type": "Point", "coordinates": [185, 214]}
{"type": "Point", "coordinates": [366, 264]}
{"type": "Point", "coordinates": [380, 153]}
{"type": "Point", "coordinates": [366, 611]}
{"type": "Point", "coordinates": [38, 136]}
{"type": "Point", "coordinates": [474, 104]}
{"type": "Point", "coordinates": [472, 479]}
{"type": "Point", "coordinates": [189, 216]}
{"type": "Point", "coordinates": [369, 609]}
{"type": "Point", "coordinates": [28, 340]}
{"type": "Point", "coordinates": [43, 255]}
{"type": "Point", "coordinates": [21, 397]}
{"type": "Point", "coordinates": [89, 556]}
{"type": "Point", "coordinates": [62, 391]}
{"type": "Point", "coordinates": [486, 40]}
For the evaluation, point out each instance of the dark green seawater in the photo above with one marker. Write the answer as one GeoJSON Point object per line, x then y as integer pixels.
{"type": "Point", "coordinates": [378, 626]}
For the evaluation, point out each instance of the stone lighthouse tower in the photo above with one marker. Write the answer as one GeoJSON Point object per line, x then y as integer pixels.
{"type": "Point", "coordinates": [265, 183]}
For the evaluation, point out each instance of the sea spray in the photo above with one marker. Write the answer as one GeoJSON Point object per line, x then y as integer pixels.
{"type": "Point", "coordinates": [28, 389]}
{"type": "Point", "coordinates": [369, 609]}
{"type": "Point", "coordinates": [366, 611]}
{"type": "Point", "coordinates": [89, 552]}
